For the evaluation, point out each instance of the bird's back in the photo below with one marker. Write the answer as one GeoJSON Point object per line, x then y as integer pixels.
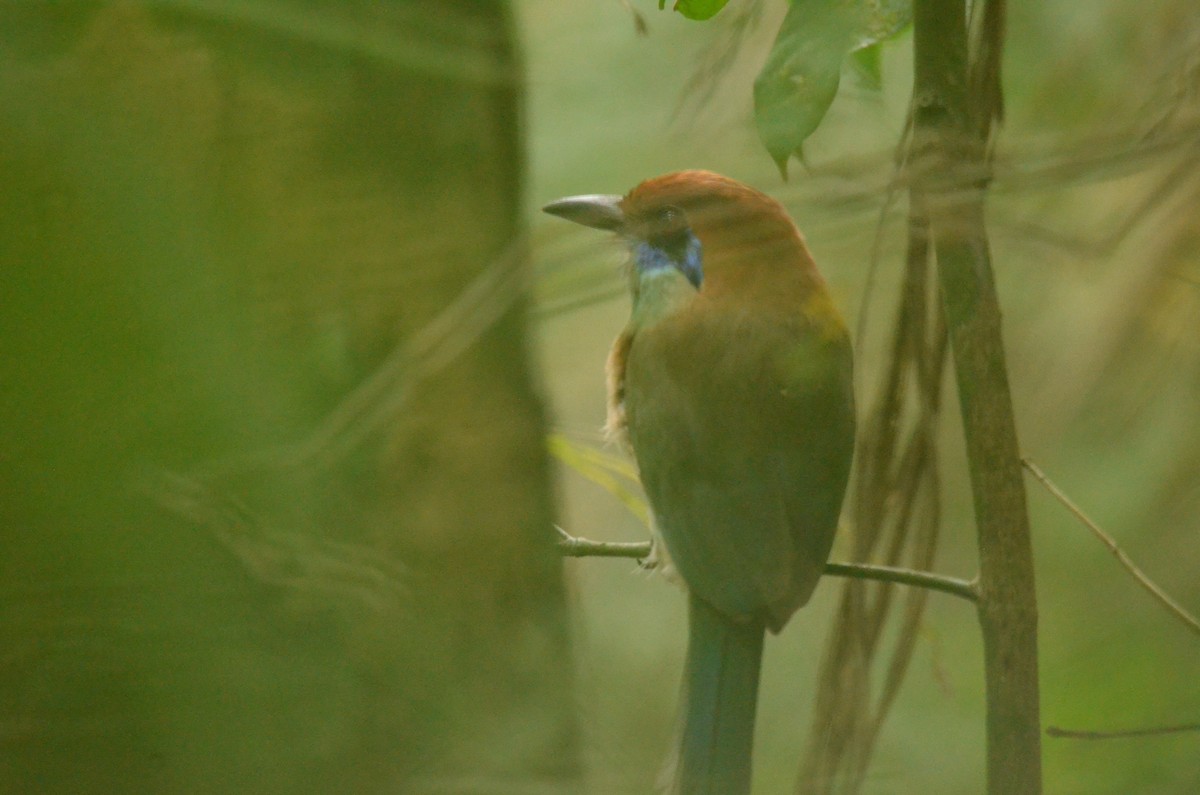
{"type": "Point", "coordinates": [741, 418]}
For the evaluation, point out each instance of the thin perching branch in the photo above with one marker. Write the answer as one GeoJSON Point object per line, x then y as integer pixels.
{"type": "Point", "coordinates": [1075, 734]}
{"type": "Point", "coordinates": [1126, 562]}
{"type": "Point", "coordinates": [574, 547]}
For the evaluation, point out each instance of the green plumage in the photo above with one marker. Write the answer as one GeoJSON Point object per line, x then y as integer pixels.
{"type": "Point", "coordinates": [733, 384]}
{"type": "Point", "coordinates": [742, 426]}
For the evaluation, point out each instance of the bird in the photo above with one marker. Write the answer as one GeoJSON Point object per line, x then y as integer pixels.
{"type": "Point", "coordinates": [732, 385]}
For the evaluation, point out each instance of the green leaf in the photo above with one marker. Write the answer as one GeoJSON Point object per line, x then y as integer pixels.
{"type": "Point", "coordinates": [865, 61]}
{"type": "Point", "coordinates": [612, 473]}
{"type": "Point", "coordinates": [883, 20]}
{"type": "Point", "coordinates": [800, 79]}
{"type": "Point", "coordinates": [696, 9]}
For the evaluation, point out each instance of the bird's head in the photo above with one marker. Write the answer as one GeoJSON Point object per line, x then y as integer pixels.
{"type": "Point", "coordinates": [724, 236]}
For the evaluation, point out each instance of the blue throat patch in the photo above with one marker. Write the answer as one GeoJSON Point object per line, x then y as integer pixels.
{"type": "Point", "coordinates": [681, 252]}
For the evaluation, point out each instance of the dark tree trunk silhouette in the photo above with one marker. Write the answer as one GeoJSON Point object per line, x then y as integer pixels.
{"type": "Point", "coordinates": [265, 395]}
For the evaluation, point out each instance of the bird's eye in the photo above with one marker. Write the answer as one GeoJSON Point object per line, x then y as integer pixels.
{"type": "Point", "coordinates": [669, 222]}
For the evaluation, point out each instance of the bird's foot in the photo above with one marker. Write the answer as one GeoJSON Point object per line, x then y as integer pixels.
{"type": "Point", "coordinates": [659, 561]}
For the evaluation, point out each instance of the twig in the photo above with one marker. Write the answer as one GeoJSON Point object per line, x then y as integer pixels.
{"type": "Point", "coordinates": [964, 589]}
{"type": "Point", "coordinates": [574, 547]}
{"type": "Point", "coordinates": [1054, 731]}
{"type": "Point", "coordinates": [639, 21]}
{"type": "Point", "coordinates": [1158, 593]}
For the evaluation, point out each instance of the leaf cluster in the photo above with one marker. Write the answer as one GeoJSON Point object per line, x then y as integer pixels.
{"type": "Point", "coordinates": [800, 78]}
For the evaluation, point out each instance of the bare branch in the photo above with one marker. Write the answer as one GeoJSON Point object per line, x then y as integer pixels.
{"type": "Point", "coordinates": [964, 589]}
{"type": "Point", "coordinates": [1054, 731]}
{"type": "Point", "coordinates": [574, 547]}
{"type": "Point", "coordinates": [1158, 593]}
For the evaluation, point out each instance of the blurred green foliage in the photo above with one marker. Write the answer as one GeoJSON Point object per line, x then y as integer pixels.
{"type": "Point", "coordinates": [696, 9]}
{"type": "Point", "coordinates": [275, 506]}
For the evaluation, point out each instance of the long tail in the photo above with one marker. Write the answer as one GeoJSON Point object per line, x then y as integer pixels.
{"type": "Point", "coordinates": [720, 698]}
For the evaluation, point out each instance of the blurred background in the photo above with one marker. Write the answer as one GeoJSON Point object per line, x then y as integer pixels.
{"type": "Point", "coordinates": [283, 335]}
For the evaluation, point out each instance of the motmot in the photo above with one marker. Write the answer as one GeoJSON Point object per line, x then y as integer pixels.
{"type": "Point", "coordinates": [732, 384]}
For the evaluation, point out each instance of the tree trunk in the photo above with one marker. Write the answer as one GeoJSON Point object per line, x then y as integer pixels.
{"type": "Point", "coordinates": [273, 485]}
{"type": "Point", "coordinates": [954, 106]}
